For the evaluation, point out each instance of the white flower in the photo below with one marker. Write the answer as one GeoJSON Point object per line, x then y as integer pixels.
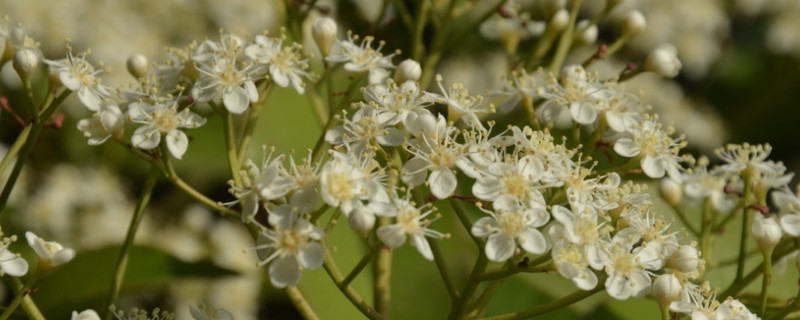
{"type": "Point", "coordinates": [404, 101]}
{"type": "Point", "coordinates": [518, 180]}
{"type": "Point", "coordinates": [289, 248]}
{"type": "Point", "coordinates": [657, 150]}
{"type": "Point", "coordinates": [87, 314]}
{"type": "Point", "coordinates": [510, 224]}
{"type": "Point", "coordinates": [226, 78]}
{"type": "Point", "coordinates": [162, 118]}
{"type": "Point", "coordinates": [77, 74]}
{"type": "Point", "coordinates": [50, 251]}
{"type": "Point", "coordinates": [579, 92]}
{"type": "Point", "coordinates": [460, 103]}
{"type": "Point", "coordinates": [702, 305]}
{"type": "Point", "coordinates": [11, 263]}
{"type": "Point", "coordinates": [627, 269]}
{"type": "Point", "coordinates": [368, 127]}
{"type": "Point", "coordinates": [571, 261]}
{"type": "Point", "coordinates": [267, 182]}
{"type": "Point", "coordinates": [206, 312]}
{"type": "Point", "coordinates": [284, 63]}
{"type": "Point", "coordinates": [346, 181]}
{"type": "Point", "coordinates": [104, 123]}
{"type": "Point", "coordinates": [410, 222]}
{"type": "Point", "coordinates": [788, 205]}
{"type": "Point", "coordinates": [584, 230]}
{"type": "Point", "coordinates": [439, 154]}
{"type": "Point", "coordinates": [359, 58]}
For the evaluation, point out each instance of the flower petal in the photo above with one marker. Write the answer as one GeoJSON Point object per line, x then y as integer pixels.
{"type": "Point", "coordinates": [442, 183]}
{"type": "Point", "coordinates": [312, 256]}
{"type": "Point", "coordinates": [284, 272]}
{"type": "Point", "coordinates": [236, 99]}
{"type": "Point", "coordinates": [626, 147]}
{"type": "Point", "coordinates": [177, 143]}
{"type": "Point", "coordinates": [532, 240]}
{"type": "Point", "coordinates": [484, 227]}
{"type": "Point", "coordinates": [146, 137]}
{"type": "Point", "coordinates": [392, 235]}
{"type": "Point", "coordinates": [500, 247]}
{"type": "Point", "coordinates": [422, 245]}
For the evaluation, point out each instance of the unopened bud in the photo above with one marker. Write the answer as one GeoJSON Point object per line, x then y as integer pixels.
{"type": "Point", "coordinates": [666, 289]}
{"type": "Point", "coordinates": [589, 35]}
{"type": "Point", "coordinates": [671, 191]}
{"type": "Point", "coordinates": [767, 232]}
{"type": "Point", "coordinates": [138, 66]}
{"type": "Point", "coordinates": [25, 63]}
{"type": "Point", "coordinates": [663, 61]}
{"type": "Point", "coordinates": [559, 20]}
{"type": "Point", "coordinates": [324, 32]}
{"type": "Point", "coordinates": [408, 70]}
{"type": "Point", "coordinates": [684, 259]}
{"type": "Point", "coordinates": [633, 23]}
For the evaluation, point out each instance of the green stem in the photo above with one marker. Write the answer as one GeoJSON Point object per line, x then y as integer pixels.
{"type": "Point", "coordinates": [22, 138]}
{"type": "Point", "coordinates": [444, 272]}
{"type": "Point", "coordinates": [319, 146]}
{"type": "Point", "coordinates": [548, 307]}
{"type": "Point", "coordinates": [124, 255]}
{"type": "Point", "coordinates": [746, 220]}
{"type": "Point", "coordinates": [484, 298]}
{"type": "Point", "coordinates": [460, 305]}
{"type": "Point", "coordinates": [705, 232]}
{"type": "Point", "coordinates": [740, 284]}
{"type": "Point", "coordinates": [513, 269]}
{"type": "Point", "coordinates": [417, 35]}
{"type": "Point", "coordinates": [362, 263]}
{"type": "Point", "coordinates": [173, 177]}
{"type": "Point", "coordinates": [566, 38]}
{"type": "Point", "coordinates": [382, 283]}
{"type": "Point", "coordinates": [21, 293]}
{"type": "Point", "coordinates": [765, 282]}
{"type": "Point", "coordinates": [252, 120]}
{"type": "Point", "coordinates": [462, 216]}
{"type": "Point", "coordinates": [333, 271]}
{"type": "Point", "coordinates": [437, 47]}
{"type": "Point", "coordinates": [795, 305]}
{"type": "Point", "coordinates": [470, 30]}
{"type": "Point", "coordinates": [685, 220]}
{"type": "Point", "coordinates": [230, 148]}
{"type": "Point", "coordinates": [527, 102]}
{"type": "Point", "coordinates": [301, 304]}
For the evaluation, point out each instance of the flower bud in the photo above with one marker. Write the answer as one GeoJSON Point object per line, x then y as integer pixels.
{"type": "Point", "coordinates": [324, 32]}
{"type": "Point", "coordinates": [666, 289]}
{"type": "Point", "coordinates": [25, 63]}
{"type": "Point", "coordinates": [663, 61]}
{"type": "Point", "coordinates": [138, 66]}
{"type": "Point", "coordinates": [671, 191]}
{"type": "Point", "coordinates": [767, 233]}
{"type": "Point", "coordinates": [684, 259]}
{"type": "Point", "coordinates": [588, 36]}
{"type": "Point", "coordinates": [559, 20]}
{"type": "Point", "coordinates": [408, 70]}
{"type": "Point", "coordinates": [633, 23]}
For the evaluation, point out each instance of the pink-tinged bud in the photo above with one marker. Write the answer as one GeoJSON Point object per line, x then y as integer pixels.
{"type": "Point", "coordinates": [138, 66]}
{"type": "Point", "coordinates": [663, 61]}
{"type": "Point", "coordinates": [25, 63]}
{"type": "Point", "coordinates": [324, 32]}
{"type": "Point", "coordinates": [633, 23]}
{"type": "Point", "coordinates": [767, 233]}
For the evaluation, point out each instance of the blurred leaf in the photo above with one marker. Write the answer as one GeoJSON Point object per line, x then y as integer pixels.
{"type": "Point", "coordinates": [84, 282]}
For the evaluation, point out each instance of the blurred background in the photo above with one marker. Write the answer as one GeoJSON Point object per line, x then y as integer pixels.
{"type": "Point", "coordinates": [740, 82]}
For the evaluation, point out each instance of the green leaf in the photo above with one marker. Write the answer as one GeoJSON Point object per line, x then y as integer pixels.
{"type": "Point", "coordinates": [84, 282]}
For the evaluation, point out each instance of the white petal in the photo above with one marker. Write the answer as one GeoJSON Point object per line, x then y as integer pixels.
{"type": "Point", "coordinates": [252, 92]}
{"type": "Point", "coordinates": [487, 188]}
{"type": "Point", "coordinates": [312, 257]}
{"type": "Point", "coordinates": [468, 168]}
{"type": "Point", "coordinates": [500, 247]}
{"type": "Point", "coordinates": [414, 171]}
{"type": "Point", "coordinates": [89, 98]}
{"type": "Point", "coordinates": [12, 265]}
{"type": "Point", "coordinates": [654, 167]}
{"type": "Point", "coordinates": [278, 77]}
{"type": "Point", "coordinates": [335, 135]}
{"type": "Point", "coordinates": [626, 148]}
{"type": "Point", "coordinates": [68, 79]}
{"type": "Point", "coordinates": [392, 137]}
{"type": "Point", "coordinates": [146, 137]}
{"type": "Point", "coordinates": [362, 219]}
{"type": "Point", "coordinates": [422, 245]}
{"type": "Point", "coordinates": [617, 287]}
{"type": "Point", "coordinates": [284, 272]}
{"type": "Point", "coordinates": [383, 209]}
{"type": "Point", "coordinates": [587, 280]}
{"type": "Point", "coordinates": [392, 235]}
{"type": "Point", "coordinates": [177, 143]}
{"type": "Point", "coordinates": [63, 256]}
{"type": "Point", "coordinates": [583, 113]}
{"type": "Point", "coordinates": [483, 227]}
{"type": "Point", "coordinates": [639, 283]}
{"type": "Point", "coordinates": [235, 99]}
{"type": "Point", "coordinates": [442, 183]}
{"type": "Point", "coordinates": [532, 241]}
{"type": "Point", "coordinates": [791, 224]}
